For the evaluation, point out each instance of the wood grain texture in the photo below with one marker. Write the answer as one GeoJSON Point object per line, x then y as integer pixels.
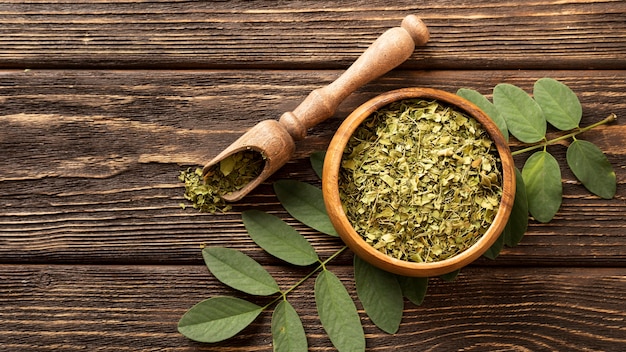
{"type": "Point", "coordinates": [308, 34]}
{"type": "Point", "coordinates": [136, 308]}
{"type": "Point", "coordinates": [104, 102]}
{"type": "Point", "coordinates": [90, 161]}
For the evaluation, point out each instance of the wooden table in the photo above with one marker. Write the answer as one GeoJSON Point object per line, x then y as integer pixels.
{"type": "Point", "coordinates": [103, 103]}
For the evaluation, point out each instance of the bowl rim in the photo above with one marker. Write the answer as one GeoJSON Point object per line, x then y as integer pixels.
{"type": "Point", "coordinates": [330, 185]}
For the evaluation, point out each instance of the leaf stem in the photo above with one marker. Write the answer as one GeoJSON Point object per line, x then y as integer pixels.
{"type": "Point", "coordinates": [321, 266]}
{"type": "Point", "coordinates": [610, 118]}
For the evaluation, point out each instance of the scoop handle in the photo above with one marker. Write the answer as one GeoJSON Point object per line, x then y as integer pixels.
{"type": "Point", "coordinates": [388, 51]}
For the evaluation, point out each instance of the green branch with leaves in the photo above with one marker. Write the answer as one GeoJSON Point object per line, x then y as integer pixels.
{"type": "Point", "coordinates": [539, 187]}
{"type": "Point", "coordinates": [382, 294]}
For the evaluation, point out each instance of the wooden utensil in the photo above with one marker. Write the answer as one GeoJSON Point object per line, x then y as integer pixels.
{"type": "Point", "coordinates": [330, 185]}
{"type": "Point", "coordinates": [275, 140]}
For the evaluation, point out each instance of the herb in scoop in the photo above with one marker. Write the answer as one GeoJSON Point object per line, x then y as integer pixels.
{"type": "Point", "coordinates": [229, 175]}
{"type": "Point", "coordinates": [420, 181]}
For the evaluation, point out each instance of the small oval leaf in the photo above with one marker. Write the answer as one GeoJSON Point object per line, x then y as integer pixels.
{"type": "Point", "coordinates": [493, 251]}
{"type": "Point", "coordinates": [381, 295]}
{"type": "Point", "coordinates": [487, 107]}
{"type": "Point", "coordinates": [317, 162]}
{"type": "Point", "coordinates": [413, 288]}
{"type": "Point", "coordinates": [217, 319]}
{"type": "Point", "coordinates": [305, 202]}
{"type": "Point", "coordinates": [542, 177]}
{"type": "Point", "coordinates": [239, 271]}
{"type": "Point", "coordinates": [451, 276]}
{"type": "Point", "coordinates": [518, 221]}
{"type": "Point", "coordinates": [559, 103]}
{"type": "Point", "coordinates": [338, 313]}
{"type": "Point", "coordinates": [287, 331]}
{"type": "Point", "coordinates": [592, 168]}
{"type": "Point", "coordinates": [278, 238]}
{"type": "Point", "coordinates": [524, 118]}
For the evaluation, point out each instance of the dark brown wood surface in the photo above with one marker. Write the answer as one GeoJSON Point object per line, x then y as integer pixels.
{"type": "Point", "coordinates": [103, 103]}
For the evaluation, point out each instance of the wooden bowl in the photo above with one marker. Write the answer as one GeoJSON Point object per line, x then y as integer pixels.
{"type": "Point", "coordinates": [330, 186]}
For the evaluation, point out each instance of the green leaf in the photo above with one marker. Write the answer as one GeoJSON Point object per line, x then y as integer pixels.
{"type": "Point", "coordinates": [522, 114]}
{"type": "Point", "coordinates": [517, 224]}
{"type": "Point", "coordinates": [451, 276]}
{"type": "Point", "coordinates": [338, 313]}
{"type": "Point", "coordinates": [413, 288]}
{"type": "Point", "coordinates": [542, 177]}
{"type": "Point", "coordinates": [305, 202]}
{"type": "Point", "coordinates": [317, 162]}
{"type": "Point", "coordinates": [278, 238]}
{"type": "Point", "coordinates": [227, 166]}
{"type": "Point", "coordinates": [287, 331]}
{"type": "Point", "coordinates": [217, 319]}
{"type": "Point", "coordinates": [487, 107]}
{"type": "Point", "coordinates": [592, 168]}
{"type": "Point", "coordinates": [381, 295]}
{"type": "Point", "coordinates": [518, 221]}
{"type": "Point", "coordinates": [239, 271]}
{"type": "Point", "coordinates": [493, 251]}
{"type": "Point", "coordinates": [559, 103]}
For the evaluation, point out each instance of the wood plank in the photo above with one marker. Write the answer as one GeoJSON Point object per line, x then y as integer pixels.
{"type": "Point", "coordinates": [308, 34]}
{"type": "Point", "coordinates": [90, 159]}
{"type": "Point", "coordinates": [120, 308]}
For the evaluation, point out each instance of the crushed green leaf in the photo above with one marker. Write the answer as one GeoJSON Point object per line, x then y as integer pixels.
{"type": "Point", "coordinates": [229, 175]}
{"type": "Point", "coordinates": [420, 181]}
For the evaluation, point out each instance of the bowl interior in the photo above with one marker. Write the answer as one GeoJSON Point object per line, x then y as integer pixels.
{"type": "Point", "coordinates": [330, 186]}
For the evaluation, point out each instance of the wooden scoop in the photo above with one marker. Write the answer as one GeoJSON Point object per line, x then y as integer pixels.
{"type": "Point", "coordinates": [275, 140]}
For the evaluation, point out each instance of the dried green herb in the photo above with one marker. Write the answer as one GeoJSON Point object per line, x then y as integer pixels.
{"type": "Point", "coordinates": [229, 175]}
{"type": "Point", "coordinates": [420, 181]}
